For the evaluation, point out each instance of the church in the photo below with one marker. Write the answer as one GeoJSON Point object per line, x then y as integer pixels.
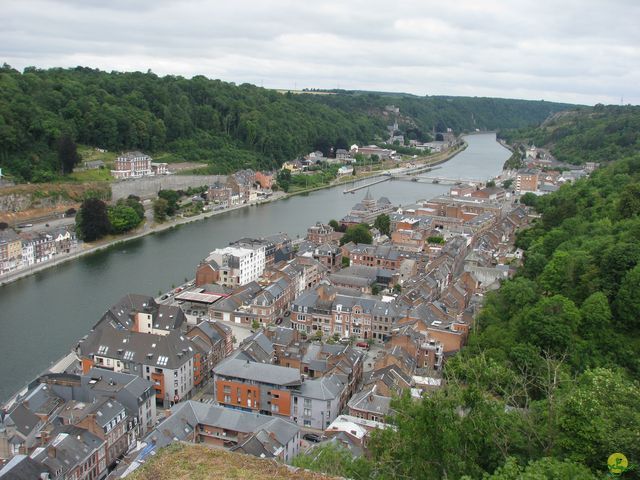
{"type": "Point", "coordinates": [367, 210]}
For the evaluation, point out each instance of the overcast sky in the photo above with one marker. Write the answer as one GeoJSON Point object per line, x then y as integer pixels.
{"type": "Point", "coordinates": [578, 51]}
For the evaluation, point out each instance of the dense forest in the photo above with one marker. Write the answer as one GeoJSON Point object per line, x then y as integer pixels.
{"type": "Point", "coordinates": [597, 134]}
{"type": "Point", "coordinates": [548, 386]}
{"type": "Point", "coordinates": [228, 126]}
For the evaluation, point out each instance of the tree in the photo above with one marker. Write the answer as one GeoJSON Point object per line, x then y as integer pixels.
{"type": "Point", "coordinates": [133, 201]}
{"type": "Point", "coordinates": [507, 184]}
{"type": "Point", "coordinates": [491, 183]}
{"type": "Point", "coordinates": [160, 207]}
{"type": "Point", "coordinates": [255, 325]}
{"type": "Point", "coordinates": [67, 154]}
{"type": "Point", "coordinates": [92, 221]}
{"type": "Point", "coordinates": [595, 315]}
{"type": "Point", "coordinates": [122, 218]}
{"type": "Point", "coordinates": [551, 324]}
{"type": "Point", "coordinates": [284, 179]}
{"type": "Point", "coordinates": [529, 199]}
{"type": "Point", "coordinates": [629, 204]}
{"type": "Point", "coordinates": [397, 288]}
{"type": "Point", "coordinates": [334, 224]}
{"type": "Point", "coordinates": [435, 240]}
{"type": "Point", "coordinates": [383, 223]}
{"type": "Point", "coordinates": [172, 197]}
{"type": "Point", "coordinates": [345, 262]}
{"type": "Point", "coordinates": [335, 460]}
{"type": "Point", "coordinates": [628, 300]}
{"type": "Point", "coordinates": [599, 416]}
{"type": "Point", "coordinates": [547, 468]}
{"type": "Point", "coordinates": [431, 433]}
{"type": "Point", "coordinates": [357, 234]}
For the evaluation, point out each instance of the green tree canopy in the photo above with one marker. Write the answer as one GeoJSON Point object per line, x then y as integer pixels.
{"type": "Point", "coordinates": [357, 234]}
{"type": "Point", "coordinates": [383, 224]}
{"type": "Point", "coordinates": [67, 154]}
{"type": "Point", "coordinates": [92, 221]}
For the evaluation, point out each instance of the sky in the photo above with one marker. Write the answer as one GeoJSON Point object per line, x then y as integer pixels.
{"type": "Point", "coordinates": [576, 51]}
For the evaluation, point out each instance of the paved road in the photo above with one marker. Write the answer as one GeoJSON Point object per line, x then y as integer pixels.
{"type": "Point", "coordinates": [50, 224]}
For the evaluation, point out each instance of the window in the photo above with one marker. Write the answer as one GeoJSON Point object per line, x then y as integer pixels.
{"type": "Point", "coordinates": [227, 399]}
{"type": "Point", "coordinates": [227, 389]}
{"type": "Point", "coordinates": [307, 423]}
{"type": "Point", "coordinates": [307, 412]}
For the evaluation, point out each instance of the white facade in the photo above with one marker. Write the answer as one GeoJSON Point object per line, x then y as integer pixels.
{"type": "Point", "coordinates": [28, 255]}
{"type": "Point", "coordinates": [244, 265]}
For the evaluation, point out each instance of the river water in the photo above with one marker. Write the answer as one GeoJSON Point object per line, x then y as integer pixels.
{"type": "Point", "coordinates": [43, 316]}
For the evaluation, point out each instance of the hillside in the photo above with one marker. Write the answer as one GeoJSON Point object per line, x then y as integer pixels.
{"type": "Point", "coordinates": [192, 462]}
{"type": "Point", "coordinates": [227, 126]}
{"type": "Point", "coordinates": [598, 134]}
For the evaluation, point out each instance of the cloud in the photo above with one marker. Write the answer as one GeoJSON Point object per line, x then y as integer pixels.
{"type": "Point", "coordinates": [584, 51]}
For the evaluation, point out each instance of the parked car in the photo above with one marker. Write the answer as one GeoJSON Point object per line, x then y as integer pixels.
{"type": "Point", "coordinates": [312, 437]}
{"type": "Point", "coordinates": [279, 320]}
{"type": "Point", "coordinates": [364, 345]}
{"type": "Point", "coordinates": [164, 297]}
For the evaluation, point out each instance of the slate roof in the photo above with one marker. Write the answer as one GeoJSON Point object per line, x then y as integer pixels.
{"type": "Point", "coordinates": [23, 419]}
{"type": "Point", "coordinates": [368, 401]}
{"type": "Point", "coordinates": [22, 467]}
{"type": "Point", "coordinates": [103, 381]}
{"type": "Point", "coordinates": [165, 317]}
{"type": "Point", "coordinates": [141, 348]}
{"type": "Point", "coordinates": [105, 410]}
{"type": "Point", "coordinates": [324, 388]}
{"type": "Point", "coordinates": [258, 347]}
{"type": "Point", "coordinates": [185, 416]}
{"type": "Point", "coordinates": [392, 376]}
{"type": "Point", "coordinates": [260, 444]}
{"type": "Point", "coordinates": [72, 445]}
{"type": "Point", "coordinates": [258, 372]}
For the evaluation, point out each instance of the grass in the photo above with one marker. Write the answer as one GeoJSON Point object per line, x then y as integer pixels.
{"type": "Point", "coordinates": [196, 462]}
{"type": "Point", "coordinates": [95, 175]}
{"type": "Point", "coordinates": [90, 154]}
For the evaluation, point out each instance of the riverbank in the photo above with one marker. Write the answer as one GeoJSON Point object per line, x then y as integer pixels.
{"type": "Point", "coordinates": [145, 230]}
{"type": "Point", "coordinates": [139, 233]}
{"type": "Point", "coordinates": [437, 159]}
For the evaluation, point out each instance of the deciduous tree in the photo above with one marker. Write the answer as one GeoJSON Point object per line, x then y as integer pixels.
{"type": "Point", "coordinates": [92, 221]}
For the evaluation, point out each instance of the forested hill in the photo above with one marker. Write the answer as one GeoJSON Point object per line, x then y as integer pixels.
{"type": "Point", "coordinates": [228, 126]}
{"type": "Point", "coordinates": [597, 134]}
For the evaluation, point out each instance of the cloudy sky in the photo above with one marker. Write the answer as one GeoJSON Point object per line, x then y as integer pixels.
{"type": "Point", "coordinates": [579, 51]}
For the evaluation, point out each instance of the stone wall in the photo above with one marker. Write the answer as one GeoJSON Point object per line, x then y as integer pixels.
{"type": "Point", "coordinates": [149, 187]}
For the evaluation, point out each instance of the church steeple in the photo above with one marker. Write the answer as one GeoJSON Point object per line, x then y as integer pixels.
{"type": "Point", "coordinates": [368, 200]}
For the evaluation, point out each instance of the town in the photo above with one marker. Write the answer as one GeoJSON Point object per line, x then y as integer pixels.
{"type": "Point", "coordinates": [27, 247]}
{"type": "Point", "coordinates": [278, 344]}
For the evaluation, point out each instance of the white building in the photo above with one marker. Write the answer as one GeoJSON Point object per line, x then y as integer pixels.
{"type": "Point", "coordinates": [239, 265]}
{"type": "Point", "coordinates": [28, 254]}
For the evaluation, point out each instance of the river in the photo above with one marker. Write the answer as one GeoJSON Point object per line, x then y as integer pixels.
{"type": "Point", "coordinates": [43, 316]}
